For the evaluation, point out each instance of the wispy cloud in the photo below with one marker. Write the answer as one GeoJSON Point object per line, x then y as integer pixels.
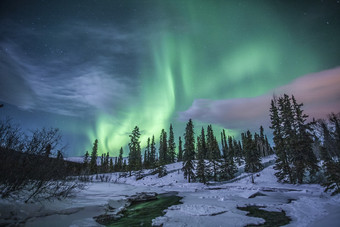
{"type": "Point", "coordinates": [69, 76]}
{"type": "Point", "coordinates": [319, 92]}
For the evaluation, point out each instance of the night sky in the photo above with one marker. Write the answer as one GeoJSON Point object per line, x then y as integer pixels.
{"type": "Point", "coordinates": [95, 69]}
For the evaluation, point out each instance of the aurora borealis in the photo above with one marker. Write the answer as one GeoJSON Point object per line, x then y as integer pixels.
{"type": "Point", "coordinates": [95, 69]}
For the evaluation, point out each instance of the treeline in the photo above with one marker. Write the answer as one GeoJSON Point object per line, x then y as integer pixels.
{"type": "Point", "coordinates": [306, 151]}
{"type": "Point", "coordinates": [203, 157]}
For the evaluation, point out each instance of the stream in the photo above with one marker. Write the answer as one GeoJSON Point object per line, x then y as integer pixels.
{"type": "Point", "coordinates": [142, 213]}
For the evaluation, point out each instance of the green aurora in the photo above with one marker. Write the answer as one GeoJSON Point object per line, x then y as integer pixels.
{"type": "Point", "coordinates": [213, 51]}
{"type": "Point", "coordinates": [103, 67]}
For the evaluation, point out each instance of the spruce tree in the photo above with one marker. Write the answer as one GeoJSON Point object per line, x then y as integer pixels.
{"type": "Point", "coordinates": [204, 144]}
{"type": "Point", "coordinates": [147, 155]}
{"type": "Point", "coordinates": [86, 162]}
{"type": "Point", "coordinates": [180, 150]}
{"type": "Point", "coordinates": [201, 168]}
{"type": "Point", "coordinates": [94, 155]}
{"type": "Point", "coordinates": [145, 160]}
{"type": "Point", "coordinates": [303, 156]}
{"type": "Point", "coordinates": [329, 153]}
{"type": "Point", "coordinates": [152, 157]}
{"type": "Point", "coordinates": [224, 143]}
{"type": "Point", "coordinates": [124, 169]}
{"type": "Point", "coordinates": [102, 163]}
{"type": "Point", "coordinates": [163, 154]}
{"type": "Point", "coordinates": [111, 167]}
{"type": "Point", "coordinates": [293, 140]}
{"type": "Point", "coordinates": [284, 172]}
{"type": "Point", "coordinates": [189, 152]}
{"type": "Point", "coordinates": [228, 167]}
{"type": "Point", "coordinates": [252, 155]}
{"type": "Point", "coordinates": [238, 152]}
{"type": "Point", "coordinates": [116, 168]}
{"type": "Point", "coordinates": [214, 153]}
{"type": "Point", "coordinates": [262, 143]}
{"type": "Point", "coordinates": [335, 121]}
{"type": "Point", "coordinates": [163, 148]}
{"type": "Point", "coordinates": [120, 160]}
{"type": "Point", "coordinates": [107, 167]}
{"type": "Point", "coordinates": [135, 161]}
{"type": "Point", "coordinates": [171, 146]}
{"type": "Point", "coordinates": [231, 149]}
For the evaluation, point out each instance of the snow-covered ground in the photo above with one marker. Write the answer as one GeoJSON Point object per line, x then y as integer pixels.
{"type": "Point", "coordinates": [214, 204]}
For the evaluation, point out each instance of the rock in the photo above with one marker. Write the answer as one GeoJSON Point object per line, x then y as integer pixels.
{"type": "Point", "coordinates": [106, 219]}
{"type": "Point", "coordinates": [256, 194]}
{"type": "Point", "coordinates": [142, 197]}
{"type": "Point", "coordinates": [118, 204]}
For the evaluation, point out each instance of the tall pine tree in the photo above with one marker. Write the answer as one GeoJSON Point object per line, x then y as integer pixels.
{"type": "Point", "coordinates": [180, 150]}
{"type": "Point", "coordinates": [152, 157]}
{"type": "Point", "coordinates": [94, 155]}
{"type": "Point", "coordinates": [189, 152]}
{"type": "Point", "coordinates": [163, 148]}
{"type": "Point", "coordinates": [214, 153]}
{"type": "Point", "coordinates": [201, 168]}
{"type": "Point", "coordinates": [119, 165]}
{"type": "Point", "coordinates": [135, 161]}
{"type": "Point", "coordinates": [171, 146]}
{"type": "Point", "coordinates": [86, 163]}
{"type": "Point", "coordinates": [293, 140]}
{"type": "Point", "coordinates": [252, 155]}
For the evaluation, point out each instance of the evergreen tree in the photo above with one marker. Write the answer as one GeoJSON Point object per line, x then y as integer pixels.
{"type": "Point", "coordinates": [224, 143]}
{"type": "Point", "coordinates": [329, 153]}
{"type": "Point", "coordinates": [102, 163]}
{"type": "Point", "coordinates": [252, 155]}
{"type": "Point", "coordinates": [231, 149]}
{"type": "Point", "coordinates": [119, 164]}
{"type": "Point", "coordinates": [180, 150]}
{"type": "Point", "coordinates": [163, 148]}
{"type": "Point", "coordinates": [238, 152]}
{"type": "Point", "coordinates": [152, 157]}
{"type": "Point", "coordinates": [204, 144]}
{"type": "Point", "coordinates": [214, 153]}
{"type": "Point", "coordinates": [189, 152]}
{"type": "Point", "coordinates": [111, 167]}
{"type": "Point", "coordinates": [135, 161]}
{"type": "Point", "coordinates": [147, 155]}
{"type": "Point", "coordinates": [124, 169]}
{"type": "Point", "coordinates": [86, 162]}
{"type": "Point", "coordinates": [201, 168]}
{"type": "Point", "coordinates": [106, 162]}
{"type": "Point", "coordinates": [171, 146]}
{"type": "Point", "coordinates": [293, 140]}
{"type": "Point", "coordinates": [94, 154]}
{"type": "Point", "coordinates": [284, 172]}
{"type": "Point", "coordinates": [335, 121]}
{"type": "Point", "coordinates": [115, 166]}
{"type": "Point", "coordinates": [262, 143]}
{"type": "Point", "coordinates": [303, 156]}
{"type": "Point", "coordinates": [228, 167]}
{"type": "Point", "coordinates": [163, 154]}
{"type": "Point", "coordinates": [145, 164]}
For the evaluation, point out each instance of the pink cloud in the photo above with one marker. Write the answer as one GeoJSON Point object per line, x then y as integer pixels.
{"type": "Point", "coordinates": [319, 92]}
